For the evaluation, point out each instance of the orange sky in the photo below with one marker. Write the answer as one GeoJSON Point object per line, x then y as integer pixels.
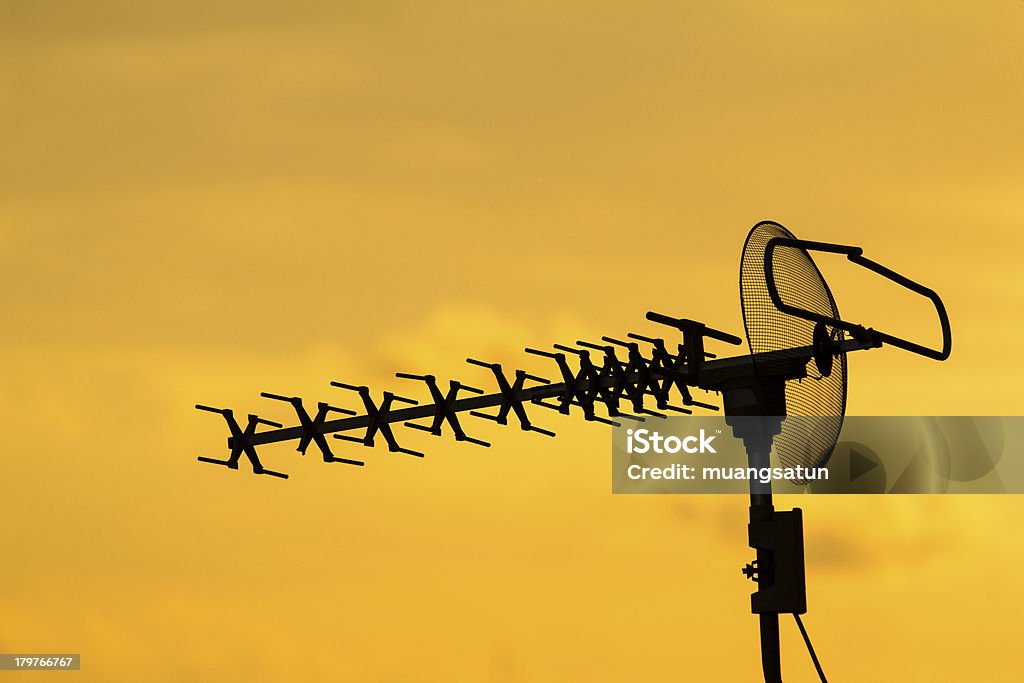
{"type": "Point", "coordinates": [201, 201]}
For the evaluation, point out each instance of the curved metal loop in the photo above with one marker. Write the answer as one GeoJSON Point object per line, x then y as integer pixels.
{"type": "Point", "coordinates": [854, 254]}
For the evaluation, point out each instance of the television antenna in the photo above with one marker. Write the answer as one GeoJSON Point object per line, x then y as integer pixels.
{"type": "Point", "coordinates": [794, 332]}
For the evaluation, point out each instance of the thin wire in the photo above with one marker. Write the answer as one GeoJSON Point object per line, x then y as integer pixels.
{"type": "Point", "coordinates": [810, 648]}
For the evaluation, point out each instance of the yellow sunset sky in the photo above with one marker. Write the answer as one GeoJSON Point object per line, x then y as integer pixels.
{"type": "Point", "coordinates": [200, 201]}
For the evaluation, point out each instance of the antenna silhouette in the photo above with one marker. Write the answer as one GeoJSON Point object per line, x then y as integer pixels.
{"type": "Point", "coordinates": [585, 386]}
{"type": "Point", "coordinates": [788, 343]}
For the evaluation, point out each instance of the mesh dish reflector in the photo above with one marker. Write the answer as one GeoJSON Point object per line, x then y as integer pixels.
{"type": "Point", "coordinates": [769, 330]}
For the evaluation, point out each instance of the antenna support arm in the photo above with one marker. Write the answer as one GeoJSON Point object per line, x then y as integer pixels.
{"type": "Point", "coordinates": [854, 254]}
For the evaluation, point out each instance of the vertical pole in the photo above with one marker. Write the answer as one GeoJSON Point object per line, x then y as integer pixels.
{"type": "Point", "coordinates": [761, 510]}
{"type": "Point", "coordinates": [771, 664]}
